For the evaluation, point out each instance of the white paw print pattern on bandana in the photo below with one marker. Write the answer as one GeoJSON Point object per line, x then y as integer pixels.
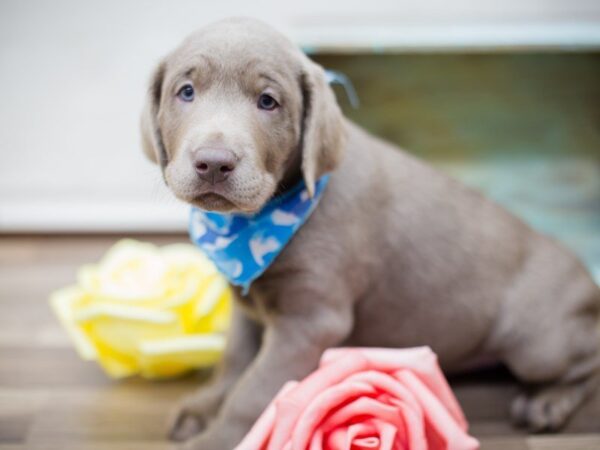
{"type": "Point", "coordinates": [260, 246]}
{"type": "Point", "coordinates": [280, 217]}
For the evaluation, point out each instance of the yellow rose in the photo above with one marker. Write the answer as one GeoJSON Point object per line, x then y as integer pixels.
{"type": "Point", "coordinates": [157, 312]}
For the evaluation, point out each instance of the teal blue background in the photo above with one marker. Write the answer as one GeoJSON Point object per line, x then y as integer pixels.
{"type": "Point", "coordinates": [522, 127]}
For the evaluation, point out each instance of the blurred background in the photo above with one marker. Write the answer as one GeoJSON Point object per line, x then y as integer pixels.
{"type": "Point", "coordinates": [504, 95]}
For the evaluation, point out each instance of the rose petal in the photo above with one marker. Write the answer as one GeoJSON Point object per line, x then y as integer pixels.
{"type": "Point", "coordinates": [437, 416]}
{"type": "Point", "coordinates": [327, 376]}
{"type": "Point", "coordinates": [387, 433]}
{"type": "Point", "coordinates": [368, 443]}
{"type": "Point", "coordinates": [421, 360]}
{"type": "Point", "coordinates": [371, 433]}
{"type": "Point", "coordinates": [290, 407]}
{"type": "Point", "coordinates": [211, 296]}
{"type": "Point", "coordinates": [321, 405]}
{"type": "Point", "coordinates": [342, 437]}
{"type": "Point", "coordinates": [160, 358]}
{"type": "Point", "coordinates": [404, 399]}
{"type": "Point", "coordinates": [130, 271]}
{"type": "Point", "coordinates": [362, 406]}
{"type": "Point", "coordinates": [258, 436]}
{"type": "Point", "coordinates": [316, 441]}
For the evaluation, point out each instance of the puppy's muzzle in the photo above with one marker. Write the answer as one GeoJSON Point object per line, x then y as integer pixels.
{"type": "Point", "coordinates": [214, 165]}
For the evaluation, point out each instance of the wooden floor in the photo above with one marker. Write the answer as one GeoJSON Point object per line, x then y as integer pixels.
{"type": "Point", "coordinates": [52, 400]}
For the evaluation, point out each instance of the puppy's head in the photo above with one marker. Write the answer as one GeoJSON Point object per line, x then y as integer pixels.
{"type": "Point", "coordinates": [236, 111]}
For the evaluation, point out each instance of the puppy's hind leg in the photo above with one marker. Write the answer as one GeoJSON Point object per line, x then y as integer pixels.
{"type": "Point", "coordinates": [548, 407]}
{"type": "Point", "coordinates": [561, 364]}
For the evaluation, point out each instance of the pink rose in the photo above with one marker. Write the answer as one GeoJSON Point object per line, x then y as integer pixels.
{"type": "Point", "coordinates": [365, 399]}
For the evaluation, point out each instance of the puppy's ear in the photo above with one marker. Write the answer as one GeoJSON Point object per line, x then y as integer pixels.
{"type": "Point", "coordinates": [151, 136]}
{"type": "Point", "coordinates": [323, 136]}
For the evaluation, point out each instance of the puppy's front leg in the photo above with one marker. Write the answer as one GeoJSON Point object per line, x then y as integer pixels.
{"type": "Point", "coordinates": [291, 349]}
{"type": "Point", "coordinates": [195, 412]}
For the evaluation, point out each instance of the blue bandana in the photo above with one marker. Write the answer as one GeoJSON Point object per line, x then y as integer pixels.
{"type": "Point", "coordinates": [243, 246]}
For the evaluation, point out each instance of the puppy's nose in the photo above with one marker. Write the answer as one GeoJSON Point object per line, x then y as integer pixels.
{"type": "Point", "coordinates": [214, 164]}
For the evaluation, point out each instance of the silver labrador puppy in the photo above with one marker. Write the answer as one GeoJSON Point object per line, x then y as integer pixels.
{"type": "Point", "coordinates": [395, 255]}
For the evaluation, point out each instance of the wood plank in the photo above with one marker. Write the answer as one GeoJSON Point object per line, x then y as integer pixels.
{"type": "Point", "coordinates": [49, 445]}
{"type": "Point", "coordinates": [52, 400]}
{"type": "Point", "coordinates": [504, 443]}
{"type": "Point", "coordinates": [581, 442]}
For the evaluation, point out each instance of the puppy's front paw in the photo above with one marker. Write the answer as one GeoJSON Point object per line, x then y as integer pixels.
{"type": "Point", "coordinates": [193, 414]}
{"type": "Point", "coordinates": [182, 425]}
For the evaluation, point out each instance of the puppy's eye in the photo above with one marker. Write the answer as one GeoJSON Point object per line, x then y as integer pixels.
{"type": "Point", "coordinates": [266, 102]}
{"type": "Point", "coordinates": [186, 93]}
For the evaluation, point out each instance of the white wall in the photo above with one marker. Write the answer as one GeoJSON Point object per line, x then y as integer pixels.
{"type": "Point", "coordinates": [73, 76]}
